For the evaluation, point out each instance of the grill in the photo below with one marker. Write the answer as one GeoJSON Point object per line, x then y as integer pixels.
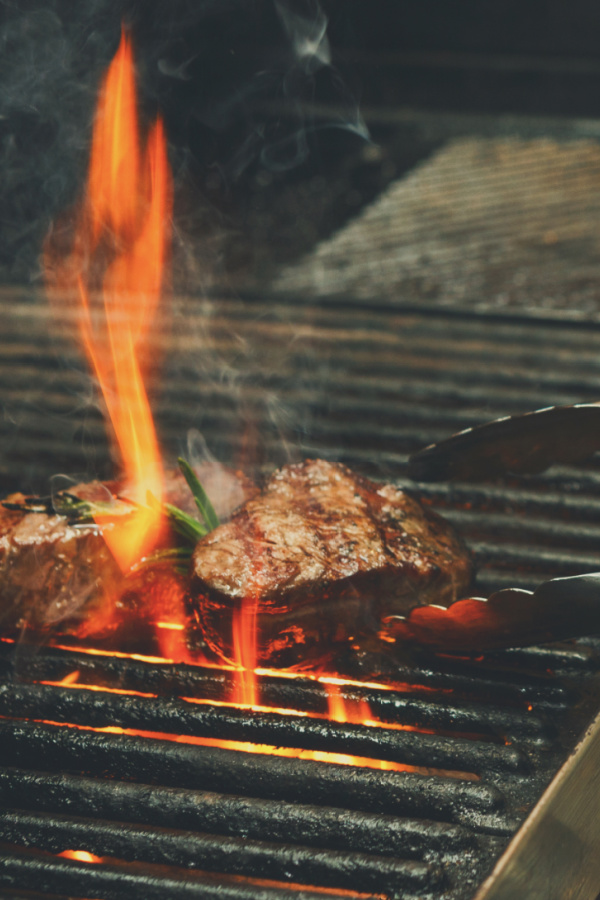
{"type": "Point", "coordinates": [484, 746]}
{"type": "Point", "coordinates": [178, 797]}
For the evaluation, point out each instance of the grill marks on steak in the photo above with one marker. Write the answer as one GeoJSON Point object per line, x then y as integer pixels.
{"type": "Point", "coordinates": [325, 554]}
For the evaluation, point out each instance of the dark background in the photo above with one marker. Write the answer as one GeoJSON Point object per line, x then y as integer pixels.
{"type": "Point", "coordinates": [273, 148]}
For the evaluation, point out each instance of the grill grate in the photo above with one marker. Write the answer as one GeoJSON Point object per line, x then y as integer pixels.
{"type": "Point", "coordinates": [178, 815]}
{"type": "Point", "coordinates": [360, 383]}
{"type": "Point", "coordinates": [171, 809]}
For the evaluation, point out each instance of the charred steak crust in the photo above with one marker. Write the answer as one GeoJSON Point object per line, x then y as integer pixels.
{"type": "Point", "coordinates": [53, 572]}
{"type": "Point", "coordinates": [325, 555]}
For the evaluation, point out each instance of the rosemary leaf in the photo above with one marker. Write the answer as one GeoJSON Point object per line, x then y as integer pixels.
{"type": "Point", "coordinates": [205, 507]}
{"type": "Point", "coordinates": [185, 525]}
{"type": "Point", "coordinates": [177, 557]}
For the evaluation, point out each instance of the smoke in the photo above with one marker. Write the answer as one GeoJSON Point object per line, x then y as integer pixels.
{"type": "Point", "coordinates": [233, 80]}
{"type": "Point", "coordinates": [306, 27]}
{"type": "Point", "coordinates": [49, 67]}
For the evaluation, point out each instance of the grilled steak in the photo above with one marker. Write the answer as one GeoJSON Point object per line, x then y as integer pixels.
{"type": "Point", "coordinates": [52, 571]}
{"type": "Point", "coordinates": [322, 555]}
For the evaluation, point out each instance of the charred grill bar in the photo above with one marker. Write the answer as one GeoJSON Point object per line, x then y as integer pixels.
{"type": "Point", "coordinates": [151, 807]}
{"type": "Point", "coordinates": [145, 784]}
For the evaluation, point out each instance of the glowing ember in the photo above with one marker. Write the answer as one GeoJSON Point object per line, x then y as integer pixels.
{"type": "Point", "coordinates": [342, 709]}
{"type": "Point", "coordinates": [115, 268]}
{"type": "Point", "coordinates": [81, 856]}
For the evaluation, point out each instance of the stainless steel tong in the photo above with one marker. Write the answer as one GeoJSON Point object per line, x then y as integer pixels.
{"type": "Point", "coordinates": [558, 609]}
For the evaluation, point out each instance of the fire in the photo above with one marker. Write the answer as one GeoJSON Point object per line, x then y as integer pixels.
{"type": "Point", "coordinates": [342, 709]}
{"type": "Point", "coordinates": [245, 653]}
{"type": "Point", "coordinates": [245, 641]}
{"type": "Point", "coordinates": [115, 268]}
{"type": "Point", "coordinates": [358, 712]}
{"type": "Point", "coordinates": [81, 856]}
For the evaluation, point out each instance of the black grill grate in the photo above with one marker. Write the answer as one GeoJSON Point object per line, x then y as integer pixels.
{"type": "Point", "coordinates": [176, 816]}
{"type": "Point", "coordinates": [366, 385]}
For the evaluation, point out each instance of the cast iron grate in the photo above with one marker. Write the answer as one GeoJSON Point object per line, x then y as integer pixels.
{"type": "Point", "coordinates": [172, 813]}
{"type": "Point", "coordinates": [186, 818]}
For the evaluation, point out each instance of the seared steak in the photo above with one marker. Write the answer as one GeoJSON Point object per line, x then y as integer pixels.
{"type": "Point", "coordinates": [322, 555]}
{"type": "Point", "coordinates": [52, 571]}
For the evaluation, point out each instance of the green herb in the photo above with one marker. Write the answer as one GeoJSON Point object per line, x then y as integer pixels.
{"type": "Point", "coordinates": [176, 557]}
{"type": "Point", "coordinates": [187, 527]}
{"type": "Point", "coordinates": [71, 507]}
{"type": "Point", "coordinates": [205, 507]}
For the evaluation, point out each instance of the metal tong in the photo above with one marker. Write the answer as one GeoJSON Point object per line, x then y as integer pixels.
{"type": "Point", "coordinates": [558, 609]}
{"type": "Point", "coordinates": [524, 445]}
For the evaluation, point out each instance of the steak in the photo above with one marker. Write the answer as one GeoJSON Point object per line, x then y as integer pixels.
{"type": "Point", "coordinates": [322, 555]}
{"type": "Point", "coordinates": [54, 572]}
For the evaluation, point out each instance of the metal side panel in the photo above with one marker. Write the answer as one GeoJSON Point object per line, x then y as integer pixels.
{"type": "Point", "coordinates": [555, 855]}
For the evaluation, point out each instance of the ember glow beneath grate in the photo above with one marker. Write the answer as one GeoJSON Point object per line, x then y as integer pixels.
{"type": "Point", "coordinates": [167, 787]}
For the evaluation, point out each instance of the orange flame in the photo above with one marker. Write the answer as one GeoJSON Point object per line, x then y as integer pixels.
{"type": "Point", "coordinates": [345, 709]}
{"type": "Point", "coordinates": [245, 690]}
{"type": "Point", "coordinates": [81, 855]}
{"type": "Point", "coordinates": [355, 711]}
{"type": "Point", "coordinates": [119, 251]}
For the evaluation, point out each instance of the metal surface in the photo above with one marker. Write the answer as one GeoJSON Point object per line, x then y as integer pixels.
{"type": "Point", "coordinates": [556, 610]}
{"type": "Point", "coordinates": [554, 856]}
{"type": "Point", "coordinates": [525, 444]}
{"type": "Point", "coordinates": [40, 702]}
{"type": "Point", "coordinates": [165, 793]}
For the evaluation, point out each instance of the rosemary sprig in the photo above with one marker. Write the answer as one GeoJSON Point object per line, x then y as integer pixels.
{"type": "Point", "coordinates": [176, 557]}
{"type": "Point", "coordinates": [185, 525]}
{"type": "Point", "coordinates": [79, 511]}
{"type": "Point", "coordinates": [72, 507]}
{"type": "Point", "coordinates": [205, 507]}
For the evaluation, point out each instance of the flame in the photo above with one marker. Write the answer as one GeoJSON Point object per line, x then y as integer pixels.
{"type": "Point", "coordinates": [245, 653]}
{"type": "Point", "coordinates": [245, 639]}
{"type": "Point", "coordinates": [357, 712]}
{"type": "Point", "coordinates": [69, 680]}
{"type": "Point", "coordinates": [81, 855]}
{"type": "Point", "coordinates": [344, 709]}
{"type": "Point", "coordinates": [115, 268]}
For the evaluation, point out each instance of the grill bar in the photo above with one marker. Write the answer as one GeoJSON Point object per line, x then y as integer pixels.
{"type": "Point", "coordinates": [487, 683]}
{"type": "Point", "coordinates": [261, 820]}
{"type": "Point", "coordinates": [177, 717]}
{"type": "Point", "coordinates": [266, 777]}
{"type": "Point", "coordinates": [121, 881]}
{"type": "Point", "coordinates": [412, 707]}
{"type": "Point", "coordinates": [236, 856]}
